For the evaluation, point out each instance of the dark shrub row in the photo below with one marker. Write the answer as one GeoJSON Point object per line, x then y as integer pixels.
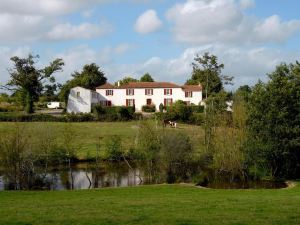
{"type": "Point", "coordinates": [13, 117]}
{"type": "Point", "coordinates": [148, 108]}
{"type": "Point", "coordinates": [115, 113]}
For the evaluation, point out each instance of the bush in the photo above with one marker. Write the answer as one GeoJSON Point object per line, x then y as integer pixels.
{"type": "Point", "coordinates": [116, 113]}
{"type": "Point", "coordinates": [15, 117]}
{"type": "Point", "coordinates": [148, 108]}
{"type": "Point", "coordinates": [7, 107]}
{"type": "Point", "coordinates": [197, 119]}
{"type": "Point", "coordinates": [197, 108]}
{"type": "Point", "coordinates": [180, 111]}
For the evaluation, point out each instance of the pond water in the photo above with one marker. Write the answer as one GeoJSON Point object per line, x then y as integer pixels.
{"type": "Point", "coordinates": [88, 176]}
{"type": "Point", "coordinates": [83, 176]}
{"type": "Point", "coordinates": [263, 184]}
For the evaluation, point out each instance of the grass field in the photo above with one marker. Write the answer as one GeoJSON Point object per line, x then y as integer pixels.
{"type": "Point", "coordinates": [164, 204]}
{"type": "Point", "coordinates": [86, 135]}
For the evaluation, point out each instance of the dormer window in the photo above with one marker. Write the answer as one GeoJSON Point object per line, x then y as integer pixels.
{"type": "Point", "coordinates": [148, 91]}
{"type": "Point", "coordinates": [168, 91]}
{"type": "Point", "coordinates": [129, 91]}
{"type": "Point", "coordinates": [109, 92]}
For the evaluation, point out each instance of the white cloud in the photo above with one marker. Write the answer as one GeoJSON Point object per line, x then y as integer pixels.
{"type": "Point", "coordinates": [68, 31]}
{"type": "Point", "coordinates": [246, 65]}
{"type": "Point", "coordinates": [5, 54]}
{"type": "Point", "coordinates": [219, 21]}
{"type": "Point", "coordinates": [148, 22]}
{"type": "Point", "coordinates": [21, 27]}
{"type": "Point", "coordinates": [52, 7]}
{"type": "Point", "coordinates": [245, 4]}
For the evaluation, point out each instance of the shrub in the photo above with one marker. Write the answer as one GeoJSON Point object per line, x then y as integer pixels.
{"type": "Point", "coordinates": [197, 108]}
{"type": "Point", "coordinates": [115, 113]}
{"type": "Point", "coordinates": [197, 119]}
{"type": "Point", "coordinates": [17, 117]}
{"type": "Point", "coordinates": [148, 108]}
{"type": "Point", "coordinates": [161, 107]}
{"type": "Point", "coordinates": [180, 111]}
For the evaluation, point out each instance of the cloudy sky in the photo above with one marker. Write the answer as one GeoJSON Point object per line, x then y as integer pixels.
{"type": "Point", "coordinates": [132, 37]}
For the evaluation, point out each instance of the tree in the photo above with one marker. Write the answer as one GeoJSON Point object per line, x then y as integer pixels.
{"type": "Point", "coordinates": [26, 79]}
{"type": "Point", "coordinates": [207, 72]}
{"type": "Point", "coordinates": [126, 80]}
{"type": "Point", "coordinates": [90, 77]}
{"type": "Point", "coordinates": [243, 92]}
{"type": "Point", "coordinates": [146, 78]}
{"type": "Point", "coordinates": [274, 122]}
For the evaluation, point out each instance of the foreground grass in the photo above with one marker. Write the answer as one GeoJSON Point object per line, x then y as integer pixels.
{"type": "Point", "coordinates": [86, 135]}
{"type": "Point", "coordinates": [165, 204]}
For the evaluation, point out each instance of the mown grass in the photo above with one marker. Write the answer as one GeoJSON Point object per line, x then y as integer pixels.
{"type": "Point", "coordinates": [86, 135]}
{"type": "Point", "coordinates": [163, 204]}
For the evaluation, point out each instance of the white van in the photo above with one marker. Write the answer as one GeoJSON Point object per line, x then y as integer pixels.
{"type": "Point", "coordinates": [53, 105]}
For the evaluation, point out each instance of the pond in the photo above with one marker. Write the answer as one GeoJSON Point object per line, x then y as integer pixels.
{"type": "Point", "coordinates": [108, 174]}
{"type": "Point", "coordinates": [85, 176]}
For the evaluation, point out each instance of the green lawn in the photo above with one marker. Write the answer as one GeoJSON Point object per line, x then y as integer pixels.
{"type": "Point", "coordinates": [86, 135]}
{"type": "Point", "coordinates": [164, 204]}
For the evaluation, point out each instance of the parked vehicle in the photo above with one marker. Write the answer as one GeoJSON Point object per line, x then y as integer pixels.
{"type": "Point", "coordinates": [54, 105]}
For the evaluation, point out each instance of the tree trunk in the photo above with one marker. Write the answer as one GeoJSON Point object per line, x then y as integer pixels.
{"type": "Point", "coordinates": [29, 103]}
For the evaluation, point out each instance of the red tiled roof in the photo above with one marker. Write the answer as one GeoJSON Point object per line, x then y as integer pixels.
{"type": "Point", "coordinates": [192, 87]}
{"type": "Point", "coordinates": [152, 85]}
{"type": "Point", "coordinates": [149, 85]}
{"type": "Point", "coordinates": [106, 86]}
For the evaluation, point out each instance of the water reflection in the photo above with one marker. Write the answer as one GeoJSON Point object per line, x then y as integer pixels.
{"type": "Point", "coordinates": [87, 176]}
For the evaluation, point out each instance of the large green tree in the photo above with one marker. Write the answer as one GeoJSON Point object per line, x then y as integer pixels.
{"type": "Point", "coordinates": [90, 77]}
{"type": "Point", "coordinates": [126, 80]}
{"type": "Point", "coordinates": [207, 72]}
{"type": "Point", "coordinates": [274, 119]}
{"type": "Point", "coordinates": [28, 80]}
{"type": "Point", "coordinates": [147, 78]}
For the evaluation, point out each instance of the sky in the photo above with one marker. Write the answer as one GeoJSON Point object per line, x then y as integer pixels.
{"type": "Point", "coordinates": [161, 37]}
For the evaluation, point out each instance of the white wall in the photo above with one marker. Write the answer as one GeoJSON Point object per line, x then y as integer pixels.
{"type": "Point", "coordinates": [81, 104]}
{"type": "Point", "coordinates": [119, 97]}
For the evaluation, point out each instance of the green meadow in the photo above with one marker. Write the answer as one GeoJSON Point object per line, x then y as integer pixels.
{"type": "Point", "coordinates": [161, 204]}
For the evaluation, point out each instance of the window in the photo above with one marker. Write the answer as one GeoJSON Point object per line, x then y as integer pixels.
{"type": "Point", "coordinates": [168, 101]}
{"type": "Point", "coordinates": [105, 103]}
{"type": "Point", "coordinates": [148, 91]}
{"type": "Point", "coordinates": [78, 94]}
{"type": "Point", "coordinates": [188, 94]}
{"type": "Point", "coordinates": [130, 92]}
{"type": "Point", "coordinates": [168, 91]}
{"type": "Point", "coordinates": [130, 102]}
{"type": "Point", "coordinates": [109, 92]}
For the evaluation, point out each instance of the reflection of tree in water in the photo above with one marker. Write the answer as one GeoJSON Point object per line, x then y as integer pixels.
{"type": "Point", "coordinates": [65, 179]}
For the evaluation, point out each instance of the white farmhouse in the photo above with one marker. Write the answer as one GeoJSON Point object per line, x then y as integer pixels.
{"type": "Point", "coordinates": [135, 94]}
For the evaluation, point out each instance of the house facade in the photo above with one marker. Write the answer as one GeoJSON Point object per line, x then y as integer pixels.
{"type": "Point", "coordinates": [135, 94]}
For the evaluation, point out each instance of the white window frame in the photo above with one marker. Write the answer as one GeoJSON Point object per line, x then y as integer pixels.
{"type": "Point", "coordinates": [131, 102]}
{"type": "Point", "coordinates": [189, 94]}
{"type": "Point", "coordinates": [130, 91]}
{"type": "Point", "coordinates": [109, 92]}
{"type": "Point", "coordinates": [149, 91]}
{"type": "Point", "coordinates": [168, 91]}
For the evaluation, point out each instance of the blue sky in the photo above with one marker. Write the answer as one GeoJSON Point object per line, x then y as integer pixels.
{"type": "Point", "coordinates": [132, 37]}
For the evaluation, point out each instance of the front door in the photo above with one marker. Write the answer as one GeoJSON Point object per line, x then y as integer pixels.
{"type": "Point", "coordinates": [149, 101]}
